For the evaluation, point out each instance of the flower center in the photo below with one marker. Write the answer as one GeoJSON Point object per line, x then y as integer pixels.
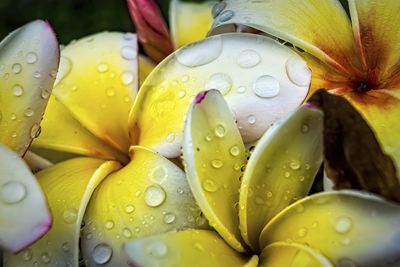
{"type": "Point", "coordinates": [363, 86]}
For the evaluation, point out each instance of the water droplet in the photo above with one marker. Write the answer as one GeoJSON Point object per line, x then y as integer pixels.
{"type": "Point", "coordinates": [170, 137]}
{"type": "Point", "coordinates": [74, 88]}
{"type": "Point", "coordinates": [129, 209]}
{"type": "Point", "coordinates": [305, 128]}
{"type": "Point", "coordinates": [70, 215]}
{"type": "Point", "coordinates": [18, 90]}
{"type": "Point", "coordinates": [169, 218]}
{"type": "Point", "coordinates": [127, 78]}
{"type": "Point", "coordinates": [220, 131]}
{"type": "Point", "coordinates": [226, 15]}
{"type": "Point", "coordinates": [297, 71]}
{"type": "Point", "coordinates": [294, 165]}
{"type": "Point", "coordinates": [198, 246]}
{"type": "Point", "coordinates": [251, 119]}
{"type": "Point", "coordinates": [129, 36]}
{"type": "Point", "coordinates": [154, 195]}
{"type": "Point", "coordinates": [126, 233]}
{"type": "Point", "coordinates": [102, 254]}
{"type": "Point", "coordinates": [216, 163]}
{"type": "Point", "coordinates": [102, 67]}
{"type": "Point", "coordinates": [235, 151]}
{"type": "Point", "coordinates": [210, 186]}
{"type": "Point", "coordinates": [44, 94]}
{"type": "Point", "coordinates": [266, 86]}
{"type": "Point", "coordinates": [35, 130]}
{"type": "Point", "coordinates": [248, 59]}
{"type": "Point", "coordinates": [110, 92]}
{"type": "Point", "coordinates": [16, 68]}
{"type": "Point", "coordinates": [217, 9]}
{"type": "Point", "coordinates": [128, 52]}
{"type": "Point", "coordinates": [346, 241]}
{"type": "Point", "coordinates": [109, 225]}
{"type": "Point", "coordinates": [269, 194]}
{"type": "Point", "coordinates": [181, 94]}
{"type": "Point", "coordinates": [302, 232]}
{"type": "Point", "coordinates": [66, 247]}
{"type": "Point", "coordinates": [29, 112]}
{"type": "Point", "coordinates": [157, 249]}
{"type": "Point", "coordinates": [45, 258]}
{"type": "Point", "coordinates": [36, 74]}
{"type": "Point", "coordinates": [208, 137]}
{"type": "Point", "coordinates": [200, 53]}
{"type": "Point", "coordinates": [12, 192]}
{"type": "Point", "coordinates": [220, 81]}
{"type": "Point", "coordinates": [27, 255]}
{"type": "Point", "coordinates": [31, 58]}
{"type": "Point", "coordinates": [286, 174]}
{"type": "Point", "coordinates": [300, 208]}
{"type": "Point", "coordinates": [241, 89]}
{"type": "Point", "coordinates": [343, 224]}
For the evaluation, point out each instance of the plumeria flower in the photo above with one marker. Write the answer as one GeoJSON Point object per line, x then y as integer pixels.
{"type": "Point", "coordinates": [355, 57]}
{"type": "Point", "coordinates": [29, 59]}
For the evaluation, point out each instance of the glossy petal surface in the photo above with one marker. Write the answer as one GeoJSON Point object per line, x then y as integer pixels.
{"type": "Point", "coordinates": [281, 254]}
{"type": "Point", "coordinates": [195, 248]}
{"type": "Point", "coordinates": [190, 21]}
{"type": "Point", "coordinates": [249, 70]}
{"type": "Point", "coordinates": [68, 187]}
{"type": "Point", "coordinates": [343, 226]}
{"type": "Point", "coordinates": [146, 66]}
{"type": "Point", "coordinates": [61, 132]}
{"type": "Point", "coordinates": [29, 59]}
{"type": "Point", "coordinates": [214, 154]}
{"type": "Point", "coordinates": [25, 216]}
{"type": "Point", "coordinates": [281, 170]}
{"type": "Point", "coordinates": [148, 196]}
{"type": "Point", "coordinates": [97, 83]}
{"type": "Point", "coordinates": [307, 24]}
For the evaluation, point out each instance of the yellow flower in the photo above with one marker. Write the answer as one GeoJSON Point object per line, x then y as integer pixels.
{"type": "Point", "coordinates": [28, 65]}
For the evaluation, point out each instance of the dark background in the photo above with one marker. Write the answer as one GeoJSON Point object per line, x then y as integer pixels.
{"type": "Point", "coordinates": [71, 19]}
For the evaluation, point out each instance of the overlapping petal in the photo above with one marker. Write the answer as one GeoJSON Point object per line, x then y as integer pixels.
{"type": "Point", "coordinates": [281, 170]}
{"type": "Point", "coordinates": [29, 58]}
{"type": "Point", "coordinates": [25, 216]}
{"type": "Point", "coordinates": [68, 187]}
{"type": "Point", "coordinates": [97, 83]}
{"type": "Point", "coordinates": [214, 155]}
{"type": "Point", "coordinates": [148, 196]}
{"type": "Point", "coordinates": [343, 225]}
{"type": "Point", "coordinates": [260, 79]}
{"type": "Point", "coordinates": [195, 248]}
{"type": "Point", "coordinates": [190, 21]}
{"type": "Point", "coordinates": [291, 254]}
{"type": "Point", "coordinates": [322, 28]}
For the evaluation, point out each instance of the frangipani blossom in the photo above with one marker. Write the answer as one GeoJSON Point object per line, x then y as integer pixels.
{"type": "Point", "coordinates": [29, 58]}
{"type": "Point", "coordinates": [355, 57]}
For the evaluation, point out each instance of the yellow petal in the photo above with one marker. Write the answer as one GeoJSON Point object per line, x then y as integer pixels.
{"type": "Point", "coordinates": [25, 216]}
{"type": "Point", "coordinates": [97, 83]}
{"type": "Point", "coordinates": [195, 248]}
{"type": "Point", "coordinates": [68, 187]}
{"type": "Point", "coordinates": [190, 21]}
{"type": "Point", "coordinates": [150, 195]}
{"type": "Point", "coordinates": [307, 24]}
{"type": "Point", "coordinates": [374, 24]}
{"type": "Point", "coordinates": [281, 170]}
{"type": "Point", "coordinates": [249, 71]}
{"type": "Point", "coordinates": [214, 154]}
{"type": "Point", "coordinates": [63, 133]}
{"type": "Point", "coordinates": [146, 66]}
{"type": "Point", "coordinates": [345, 226]}
{"type": "Point", "coordinates": [29, 59]}
{"type": "Point", "coordinates": [281, 254]}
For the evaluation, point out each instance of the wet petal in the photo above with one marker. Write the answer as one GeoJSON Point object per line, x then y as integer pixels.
{"type": "Point", "coordinates": [291, 254]}
{"type": "Point", "coordinates": [185, 248]}
{"type": "Point", "coordinates": [345, 226]}
{"type": "Point", "coordinates": [68, 187]}
{"type": "Point", "coordinates": [97, 83]}
{"type": "Point", "coordinates": [280, 171]}
{"type": "Point", "coordinates": [148, 196]}
{"type": "Point", "coordinates": [190, 21]}
{"type": "Point", "coordinates": [29, 59]}
{"type": "Point", "coordinates": [214, 154]}
{"type": "Point", "coordinates": [146, 66]}
{"type": "Point", "coordinates": [379, 44]}
{"type": "Point", "coordinates": [260, 79]}
{"type": "Point", "coordinates": [307, 24]}
{"type": "Point", "coordinates": [151, 28]}
{"type": "Point", "coordinates": [22, 201]}
{"type": "Point", "coordinates": [61, 132]}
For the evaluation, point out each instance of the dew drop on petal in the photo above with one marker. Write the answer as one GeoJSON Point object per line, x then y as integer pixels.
{"type": "Point", "coordinates": [157, 249]}
{"type": "Point", "coordinates": [102, 254]}
{"type": "Point", "coordinates": [241, 89]}
{"type": "Point", "coordinates": [248, 59]}
{"type": "Point", "coordinates": [109, 225]}
{"type": "Point", "coordinates": [200, 53]}
{"type": "Point", "coordinates": [110, 92]}
{"type": "Point", "coordinates": [12, 192]}
{"type": "Point", "coordinates": [18, 90]}
{"type": "Point", "coordinates": [29, 112]}
{"type": "Point", "coordinates": [128, 53]}
{"type": "Point", "coordinates": [170, 138]}
{"type": "Point", "coordinates": [216, 163]}
{"type": "Point", "coordinates": [343, 224]}
{"type": "Point", "coordinates": [169, 218]}
{"type": "Point", "coordinates": [154, 195]}
{"type": "Point", "coordinates": [235, 151]}
{"type": "Point", "coordinates": [217, 8]}
{"type": "Point", "coordinates": [102, 67]}
{"type": "Point", "coordinates": [70, 215]}
{"type": "Point", "coordinates": [226, 15]}
{"type": "Point", "coordinates": [297, 71]}
{"type": "Point", "coordinates": [220, 131]}
{"type": "Point", "coordinates": [27, 255]}
{"type": "Point", "coordinates": [210, 186]}
{"type": "Point", "coordinates": [294, 165]}
{"type": "Point", "coordinates": [31, 58]}
{"type": "Point", "coordinates": [45, 257]}
{"type": "Point", "coordinates": [219, 81]}
{"type": "Point", "coordinates": [126, 233]}
{"type": "Point", "coordinates": [266, 86]}
{"type": "Point", "coordinates": [251, 119]}
{"type": "Point", "coordinates": [16, 68]}
{"type": "Point", "coordinates": [127, 78]}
